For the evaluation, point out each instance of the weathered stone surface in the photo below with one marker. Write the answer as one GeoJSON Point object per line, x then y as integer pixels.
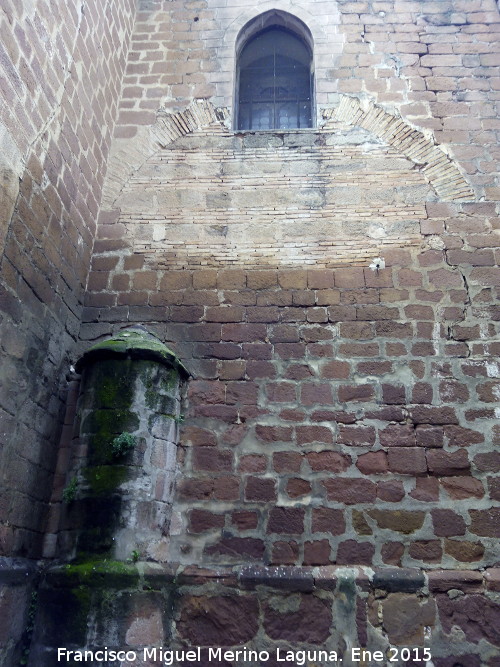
{"type": "Point", "coordinates": [459, 488]}
{"type": "Point", "coordinates": [297, 618]}
{"type": "Point", "coordinates": [352, 552]}
{"type": "Point", "coordinates": [485, 522]}
{"type": "Point", "coordinates": [475, 615]}
{"type": "Point", "coordinates": [405, 618]}
{"type": "Point", "coordinates": [350, 490]}
{"type": "Point", "coordinates": [402, 521]}
{"type": "Point", "coordinates": [447, 523]}
{"type": "Point", "coordinates": [218, 620]}
{"type": "Point", "coordinates": [464, 551]}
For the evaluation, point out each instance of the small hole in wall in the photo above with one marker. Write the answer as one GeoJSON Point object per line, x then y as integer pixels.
{"type": "Point", "coordinates": [196, 18]}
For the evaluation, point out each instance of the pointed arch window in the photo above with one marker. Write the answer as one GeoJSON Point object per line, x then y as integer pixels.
{"type": "Point", "coordinates": [275, 82]}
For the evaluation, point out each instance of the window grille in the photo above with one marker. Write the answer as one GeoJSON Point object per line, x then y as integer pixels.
{"type": "Point", "coordinates": [274, 82]}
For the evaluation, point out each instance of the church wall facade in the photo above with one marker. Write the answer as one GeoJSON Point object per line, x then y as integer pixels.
{"type": "Point", "coordinates": [342, 411]}
{"type": "Point", "coordinates": [333, 291]}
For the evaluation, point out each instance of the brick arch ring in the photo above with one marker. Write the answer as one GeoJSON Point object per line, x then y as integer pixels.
{"type": "Point", "coordinates": [438, 168]}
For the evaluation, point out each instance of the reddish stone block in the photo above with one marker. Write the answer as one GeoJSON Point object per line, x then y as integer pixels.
{"type": "Point", "coordinates": [356, 330]}
{"type": "Point", "coordinates": [447, 523]}
{"type": "Point", "coordinates": [485, 523]}
{"type": "Point", "coordinates": [243, 333]}
{"type": "Point", "coordinates": [477, 616]}
{"type": "Point", "coordinates": [297, 488]}
{"type": "Point", "coordinates": [488, 392]}
{"type": "Point", "coordinates": [451, 391]}
{"type": "Point", "coordinates": [284, 333]}
{"type": "Point", "coordinates": [350, 490]}
{"type": "Point", "coordinates": [372, 463]}
{"type": "Point", "coordinates": [429, 436]}
{"type": "Point", "coordinates": [459, 488]}
{"type": "Point", "coordinates": [429, 551]}
{"type": "Point", "coordinates": [226, 487]}
{"type": "Point", "coordinates": [341, 313]}
{"type": "Point", "coordinates": [450, 464]}
{"type": "Point", "coordinates": [201, 521]}
{"type": "Point", "coordinates": [397, 435]}
{"type": "Point", "coordinates": [391, 491]}
{"type": "Point", "coordinates": [299, 372]}
{"type": "Point", "coordinates": [374, 368]}
{"type": "Point", "coordinates": [263, 314]}
{"type": "Point", "coordinates": [426, 489]}
{"type": "Point", "coordinates": [310, 623]}
{"type": "Point", "coordinates": [260, 369]}
{"type": "Point", "coordinates": [328, 461]}
{"type": "Point", "coordinates": [356, 436]}
{"type": "Point", "coordinates": [252, 463]}
{"type": "Point", "coordinates": [198, 437]}
{"type": "Point", "coordinates": [205, 458]}
{"type": "Point", "coordinates": [224, 314]}
{"type": "Point", "coordinates": [287, 461]}
{"type": "Point", "coordinates": [245, 393]}
{"type": "Point", "coordinates": [407, 460]}
{"type": "Point", "coordinates": [274, 433]}
{"type": "Point", "coordinates": [260, 489]}
{"type": "Point", "coordinates": [358, 350]}
{"type": "Point", "coordinates": [236, 547]}
{"type": "Point", "coordinates": [489, 462]}
{"type": "Point", "coordinates": [360, 392]}
{"type": "Point", "coordinates": [317, 553]}
{"type": "Point", "coordinates": [388, 329]}
{"type": "Point", "coordinates": [326, 520]}
{"type": "Point", "coordinates": [245, 519]}
{"type": "Point", "coordinates": [352, 552]}
{"type": "Point", "coordinates": [422, 414]}
{"type": "Point", "coordinates": [286, 520]}
{"type": "Point", "coordinates": [290, 350]}
{"type": "Point", "coordinates": [311, 394]}
{"type": "Point", "coordinates": [335, 370]}
{"type": "Point", "coordinates": [309, 434]}
{"type": "Point", "coordinates": [393, 394]}
{"type": "Point", "coordinates": [195, 488]}
{"type": "Point", "coordinates": [218, 620]}
{"type": "Point", "coordinates": [292, 415]}
{"type": "Point", "coordinates": [464, 551]}
{"type": "Point", "coordinates": [405, 618]}
{"type": "Point", "coordinates": [392, 553]}
{"type": "Point", "coordinates": [231, 370]}
{"type": "Point", "coordinates": [285, 553]}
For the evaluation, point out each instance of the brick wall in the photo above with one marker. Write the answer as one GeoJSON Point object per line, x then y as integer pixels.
{"type": "Point", "coordinates": [60, 70]}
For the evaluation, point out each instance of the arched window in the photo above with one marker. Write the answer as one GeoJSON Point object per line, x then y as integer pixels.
{"type": "Point", "coordinates": [274, 81]}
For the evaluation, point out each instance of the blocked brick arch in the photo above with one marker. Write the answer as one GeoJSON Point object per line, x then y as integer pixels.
{"type": "Point", "coordinates": [440, 170]}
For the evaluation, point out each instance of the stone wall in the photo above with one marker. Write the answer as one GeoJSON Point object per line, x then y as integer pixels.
{"type": "Point", "coordinates": [60, 69]}
{"type": "Point", "coordinates": [334, 292]}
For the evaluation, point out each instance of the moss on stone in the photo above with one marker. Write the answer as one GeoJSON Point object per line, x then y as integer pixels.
{"type": "Point", "coordinates": [95, 573]}
{"type": "Point", "coordinates": [113, 382]}
{"type": "Point", "coordinates": [104, 479]}
{"type": "Point", "coordinates": [133, 343]}
{"type": "Point", "coordinates": [103, 426]}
